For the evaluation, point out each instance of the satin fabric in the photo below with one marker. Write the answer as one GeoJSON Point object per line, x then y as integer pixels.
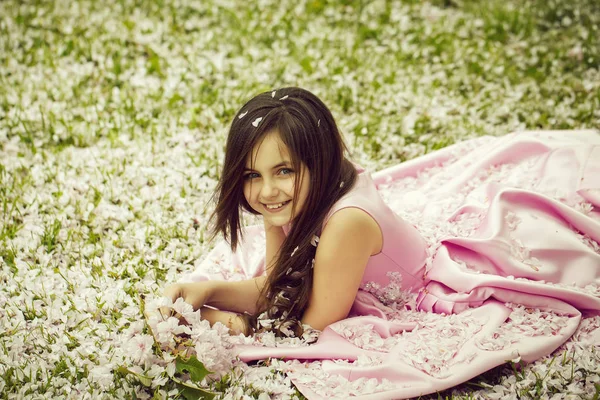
{"type": "Point", "coordinates": [494, 257]}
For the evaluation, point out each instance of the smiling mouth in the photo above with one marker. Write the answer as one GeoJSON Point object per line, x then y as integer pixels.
{"type": "Point", "coordinates": [276, 206]}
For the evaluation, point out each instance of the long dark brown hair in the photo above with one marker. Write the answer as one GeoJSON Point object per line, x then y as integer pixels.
{"type": "Point", "coordinates": [306, 126]}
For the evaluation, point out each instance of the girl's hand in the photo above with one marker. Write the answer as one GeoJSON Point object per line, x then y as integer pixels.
{"type": "Point", "coordinates": [231, 320]}
{"type": "Point", "coordinates": [196, 293]}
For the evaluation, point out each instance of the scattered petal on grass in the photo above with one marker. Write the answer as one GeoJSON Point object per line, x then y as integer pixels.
{"type": "Point", "coordinates": [113, 118]}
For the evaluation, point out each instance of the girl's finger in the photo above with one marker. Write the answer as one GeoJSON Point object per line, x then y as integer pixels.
{"type": "Point", "coordinates": [166, 312]}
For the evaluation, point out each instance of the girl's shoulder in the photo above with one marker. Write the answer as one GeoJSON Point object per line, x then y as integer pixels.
{"type": "Point", "coordinates": [356, 212]}
{"type": "Point", "coordinates": [353, 226]}
{"type": "Point", "coordinates": [363, 196]}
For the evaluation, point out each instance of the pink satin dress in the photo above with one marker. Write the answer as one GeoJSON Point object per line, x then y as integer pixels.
{"type": "Point", "coordinates": [400, 266]}
{"type": "Point", "coordinates": [490, 253]}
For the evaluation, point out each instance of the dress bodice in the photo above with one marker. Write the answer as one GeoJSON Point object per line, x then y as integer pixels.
{"type": "Point", "coordinates": [401, 263]}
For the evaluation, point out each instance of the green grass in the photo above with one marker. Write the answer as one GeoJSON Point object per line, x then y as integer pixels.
{"type": "Point", "coordinates": [113, 117]}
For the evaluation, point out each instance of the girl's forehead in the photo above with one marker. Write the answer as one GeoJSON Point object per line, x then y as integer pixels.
{"type": "Point", "coordinates": [270, 149]}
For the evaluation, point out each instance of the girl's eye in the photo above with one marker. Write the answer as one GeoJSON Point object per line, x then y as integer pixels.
{"type": "Point", "coordinates": [251, 175]}
{"type": "Point", "coordinates": [285, 171]}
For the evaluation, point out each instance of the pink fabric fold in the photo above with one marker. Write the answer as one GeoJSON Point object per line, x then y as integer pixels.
{"type": "Point", "coordinates": [589, 181]}
{"type": "Point", "coordinates": [507, 265]}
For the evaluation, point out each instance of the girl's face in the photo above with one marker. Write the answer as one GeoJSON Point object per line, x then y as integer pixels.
{"type": "Point", "coordinates": [269, 181]}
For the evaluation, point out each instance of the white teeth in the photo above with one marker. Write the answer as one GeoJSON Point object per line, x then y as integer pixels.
{"type": "Point", "coordinates": [274, 206]}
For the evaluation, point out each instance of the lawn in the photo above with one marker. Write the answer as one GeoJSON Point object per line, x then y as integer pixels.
{"type": "Point", "coordinates": [113, 116]}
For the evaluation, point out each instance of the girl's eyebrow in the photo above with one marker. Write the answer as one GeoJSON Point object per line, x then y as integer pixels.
{"type": "Point", "coordinates": [281, 164]}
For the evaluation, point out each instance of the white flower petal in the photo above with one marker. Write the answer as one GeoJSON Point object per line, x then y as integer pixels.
{"type": "Point", "coordinates": [257, 121]}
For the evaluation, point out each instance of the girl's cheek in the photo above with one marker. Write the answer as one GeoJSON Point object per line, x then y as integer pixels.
{"type": "Point", "coordinates": [289, 186]}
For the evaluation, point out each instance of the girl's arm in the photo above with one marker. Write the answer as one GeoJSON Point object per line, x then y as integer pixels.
{"type": "Point", "coordinates": [236, 296]}
{"type": "Point", "coordinates": [243, 296]}
{"type": "Point", "coordinates": [350, 237]}
{"type": "Point", "coordinates": [230, 297]}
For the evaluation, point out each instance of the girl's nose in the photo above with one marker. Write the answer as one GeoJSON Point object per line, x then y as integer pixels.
{"type": "Point", "coordinates": [268, 190]}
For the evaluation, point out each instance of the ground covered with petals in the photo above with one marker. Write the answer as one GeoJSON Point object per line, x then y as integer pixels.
{"type": "Point", "coordinates": [113, 116]}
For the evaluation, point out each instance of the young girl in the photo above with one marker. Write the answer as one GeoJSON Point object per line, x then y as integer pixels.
{"type": "Point", "coordinates": [326, 227]}
{"type": "Point", "coordinates": [497, 243]}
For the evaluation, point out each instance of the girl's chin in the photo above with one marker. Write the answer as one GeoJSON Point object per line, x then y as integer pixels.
{"type": "Point", "coordinates": [278, 220]}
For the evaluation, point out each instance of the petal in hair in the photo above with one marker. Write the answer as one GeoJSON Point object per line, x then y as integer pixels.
{"type": "Point", "coordinates": [256, 122]}
{"type": "Point", "coordinates": [242, 115]}
{"type": "Point", "coordinates": [319, 123]}
{"type": "Point", "coordinates": [294, 252]}
{"type": "Point", "coordinates": [273, 93]}
{"type": "Point", "coordinates": [284, 97]}
{"type": "Point", "coordinates": [314, 240]}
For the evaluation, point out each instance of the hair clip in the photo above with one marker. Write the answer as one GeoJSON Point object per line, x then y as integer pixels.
{"type": "Point", "coordinates": [256, 122]}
